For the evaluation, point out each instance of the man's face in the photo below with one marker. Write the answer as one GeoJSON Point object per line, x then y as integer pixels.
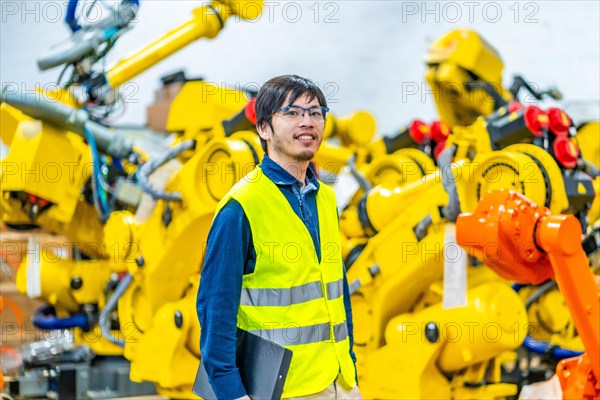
{"type": "Point", "coordinates": [293, 140]}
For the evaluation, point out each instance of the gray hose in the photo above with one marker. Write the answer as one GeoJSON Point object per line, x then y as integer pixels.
{"type": "Point", "coordinates": [111, 304]}
{"type": "Point", "coordinates": [87, 40]}
{"type": "Point", "coordinates": [152, 165]}
{"type": "Point", "coordinates": [422, 227]}
{"type": "Point", "coordinates": [95, 198]}
{"type": "Point", "coordinates": [452, 210]}
{"type": "Point", "coordinates": [543, 289]}
{"type": "Point", "coordinates": [362, 181]}
{"type": "Point", "coordinates": [591, 169]}
{"type": "Point", "coordinates": [69, 118]}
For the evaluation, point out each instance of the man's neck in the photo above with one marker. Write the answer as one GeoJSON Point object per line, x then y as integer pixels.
{"type": "Point", "coordinates": [295, 168]}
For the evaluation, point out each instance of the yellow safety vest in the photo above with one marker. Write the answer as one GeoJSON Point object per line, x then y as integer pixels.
{"type": "Point", "coordinates": [291, 298]}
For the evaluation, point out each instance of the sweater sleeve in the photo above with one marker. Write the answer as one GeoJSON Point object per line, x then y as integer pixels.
{"type": "Point", "coordinates": [219, 298]}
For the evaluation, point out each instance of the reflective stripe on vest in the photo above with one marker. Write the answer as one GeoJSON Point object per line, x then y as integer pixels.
{"type": "Point", "coordinates": [296, 335]}
{"type": "Point", "coordinates": [335, 289]}
{"type": "Point", "coordinates": [288, 296]}
{"type": "Point", "coordinates": [281, 297]}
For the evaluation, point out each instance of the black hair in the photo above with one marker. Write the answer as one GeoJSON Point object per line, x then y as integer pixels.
{"type": "Point", "coordinates": [276, 91]}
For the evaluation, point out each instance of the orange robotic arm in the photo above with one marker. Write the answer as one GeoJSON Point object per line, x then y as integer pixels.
{"type": "Point", "coordinates": [532, 246]}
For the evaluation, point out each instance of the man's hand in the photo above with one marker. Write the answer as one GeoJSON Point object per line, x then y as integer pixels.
{"type": "Point", "coordinates": [246, 397]}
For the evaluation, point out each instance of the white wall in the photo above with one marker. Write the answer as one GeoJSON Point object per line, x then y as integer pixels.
{"type": "Point", "coordinates": [367, 52]}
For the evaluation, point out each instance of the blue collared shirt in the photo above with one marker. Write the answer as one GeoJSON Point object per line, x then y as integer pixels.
{"type": "Point", "coordinates": [229, 255]}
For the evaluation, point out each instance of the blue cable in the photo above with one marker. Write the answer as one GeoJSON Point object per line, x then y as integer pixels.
{"type": "Point", "coordinates": [116, 162]}
{"type": "Point", "coordinates": [70, 17]}
{"type": "Point", "coordinates": [539, 347]}
{"type": "Point", "coordinates": [516, 287]}
{"type": "Point", "coordinates": [45, 318]}
{"type": "Point", "coordinates": [99, 194]}
{"type": "Point", "coordinates": [109, 33]}
{"type": "Point", "coordinates": [102, 191]}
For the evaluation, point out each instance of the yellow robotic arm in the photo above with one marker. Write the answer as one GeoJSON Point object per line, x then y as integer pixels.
{"type": "Point", "coordinates": [206, 22]}
{"type": "Point", "coordinates": [91, 44]}
{"type": "Point", "coordinates": [465, 74]}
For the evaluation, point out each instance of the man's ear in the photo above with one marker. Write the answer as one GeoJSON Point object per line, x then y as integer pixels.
{"type": "Point", "coordinates": [264, 131]}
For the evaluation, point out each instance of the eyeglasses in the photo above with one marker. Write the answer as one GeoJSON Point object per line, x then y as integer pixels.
{"type": "Point", "coordinates": [295, 113]}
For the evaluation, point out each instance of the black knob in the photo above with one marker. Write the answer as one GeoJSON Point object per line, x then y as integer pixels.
{"type": "Point", "coordinates": [432, 333]}
{"type": "Point", "coordinates": [76, 283]}
{"type": "Point", "coordinates": [178, 319]}
{"type": "Point", "coordinates": [140, 261]}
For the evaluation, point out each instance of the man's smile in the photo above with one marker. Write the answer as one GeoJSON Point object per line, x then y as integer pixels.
{"type": "Point", "coordinates": [308, 136]}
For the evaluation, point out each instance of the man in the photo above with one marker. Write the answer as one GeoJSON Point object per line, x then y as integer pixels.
{"type": "Point", "coordinates": [273, 261]}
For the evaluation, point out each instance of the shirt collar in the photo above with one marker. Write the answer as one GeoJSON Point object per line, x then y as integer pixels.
{"type": "Point", "coordinates": [280, 176]}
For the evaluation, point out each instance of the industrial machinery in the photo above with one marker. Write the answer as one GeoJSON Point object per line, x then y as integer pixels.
{"type": "Point", "coordinates": [399, 242]}
{"type": "Point", "coordinates": [399, 301]}
{"type": "Point", "coordinates": [130, 277]}
{"type": "Point", "coordinates": [134, 205]}
{"type": "Point", "coordinates": [114, 303]}
{"type": "Point", "coordinates": [131, 289]}
{"type": "Point", "coordinates": [465, 75]}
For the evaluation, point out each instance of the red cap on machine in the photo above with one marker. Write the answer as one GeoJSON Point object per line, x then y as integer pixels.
{"type": "Point", "coordinates": [250, 110]}
{"type": "Point", "coordinates": [37, 200]}
{"type": "Point", "coordinates": [419, 130]}
{"type": "Point", "coordinates": [439, 131]}
{"type": "Point", "coordinates": [566, 152]}
{"type": "Point", "coordinates": [559, 121]}
{"type": "Point", "coordinates": [536, 120]}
